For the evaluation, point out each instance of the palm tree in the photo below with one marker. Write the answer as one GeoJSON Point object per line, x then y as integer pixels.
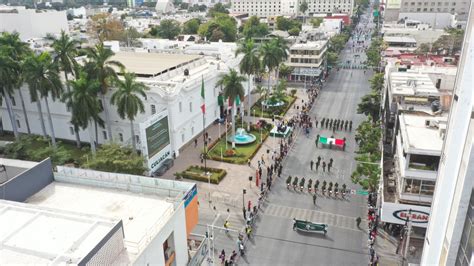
{"type": "Point", "coordinates": [6, 88]}
{"type": "Point", "coordinates": [101, 67]}
{"type": "Point", "coordinates": [85, 106]}
{"type": "Point", "coordinates": [270, 58]}
{"type": "Point", "coordinates": [128, 101]}
{"type": "Point", "coordinates": [42, 76]}
{"type": "Point", "coordinates": [17, 51]}
{"type": "Point", "coordinates": [250, 65]}
{"type": "Point", "coordinates": [284, 71]}
{"type": "Point", "coordinates": [66, 51]}
{"type": "Point", "coordinates": [232, 85]}
{"type": "Point", "coordinates": [281, 51]}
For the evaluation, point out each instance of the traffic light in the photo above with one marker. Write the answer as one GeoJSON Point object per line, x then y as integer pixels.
{"type": "Point", "coordinates": [244, 191]}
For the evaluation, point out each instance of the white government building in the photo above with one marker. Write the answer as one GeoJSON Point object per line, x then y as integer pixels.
{"type": "Point", "coordinates": [173, 72]}
{"type": "Point", "coordinates": [290, 7]}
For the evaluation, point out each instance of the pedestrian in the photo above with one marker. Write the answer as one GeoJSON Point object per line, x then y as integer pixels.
{"type": "Point", "coordinates": [209, 140]}
{"type": "Point", "coordinates": [324, 166]}
{"type": "Point", "coordinates": [195, 143]}
{"type": "Point", "coordinates": [248, 230]}
{"type": "Point", "coordinates": [316, 123]}
{"type": "Point", "coordinates": [222, 256]}
{"type": "Point", "coordinates": [330, 161]}
{"type": "Point", "coordinates": [317, 165]}
{"type": "Point", "coordinates": [319, 159]}
{"type": "Point", "coordinates": [262, 159]}
{"type": "Point", "coordinates": [350, 126]}
{"type": "Point", "coordinates": [345, 126]}
{"type": "Point", "coordinates": [244, 212]}
{"type": "Point", "coordinates": [314, 198]}
{"type": "Point", "coordinates": [311, 165]}
{"type": "Point", "coordinates": [226, 226]}
{"type": "Point", "coordinates": [329, 167]}
{"type": "Point", "coordinates": [248, 162]}
{"type": "Point", "coordinates": [358, 221]}
{"type": "Point", "coordinates": [249, 205]}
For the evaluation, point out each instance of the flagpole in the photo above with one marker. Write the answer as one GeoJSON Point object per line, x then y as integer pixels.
{"type": "Point", "coordinates": [203, 111]}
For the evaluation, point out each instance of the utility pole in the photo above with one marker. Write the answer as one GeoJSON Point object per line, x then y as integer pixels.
{"type": "Point", "coordinates": [407, 239]}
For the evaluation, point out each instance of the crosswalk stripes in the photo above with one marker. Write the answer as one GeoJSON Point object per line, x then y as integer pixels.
{"type": "Point", "coordinates": [331, 219]}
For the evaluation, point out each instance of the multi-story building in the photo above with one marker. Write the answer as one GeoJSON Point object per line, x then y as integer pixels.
{"type": "Point", "coordinates": [450, 234]}
{"type": "Point", "coordinates": [307, 60]}
{"type": "Point", "coordinates": [173, 76]}
{"type": "Point", "coordinates": [290, 7]}
{"type": "Point", "coordinates": [32, 24]}
{"type": "Point", "coordinates": [460, 7]}
{"type": "Point", "coordinates": [85, 217]}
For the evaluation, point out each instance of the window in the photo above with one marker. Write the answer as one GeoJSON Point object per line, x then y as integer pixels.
{"type": "Point", "coordinates": [180, 106]}
{"type": "Point", "coordinates": [427, 187]}
{"type": "Point", "coordinates": [104, 134]}
{"type": "Point", "coordinates": [120, 137]}
{"type": "Point", "coordinates": [153, 109]}
{"type": "Point", "coordinates": [137, 139]}
{"type": "Point", "coordinates": [425, 9]}
{"type": "Point", "coordinates": [18, 123]}
{"type": "Point", "coordinates": [71, 130]}
{"type": "Point", "coordinates": [190, 107]}
{"type": "Point", "coordinates": [465, 246]}
{"type": "Point", "coordinates": [13, 101]}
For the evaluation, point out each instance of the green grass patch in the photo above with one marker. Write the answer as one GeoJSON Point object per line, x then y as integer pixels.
{"type": "Point", "coordinates": [269, 112]}
{"type": "Point", "coordinates": [197, 173]}
{"type": "Point", "coordinates": [241, 153]}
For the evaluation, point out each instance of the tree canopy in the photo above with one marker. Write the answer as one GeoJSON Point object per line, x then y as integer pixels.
{"type": "Point", "coordinates": [191, 26]}
{"type": "Point", "coordinates": [286, 24]}
{"type": "Point", "coordinates": [217, 9]}
{"type": "Point", "coordinates": [316, 22]}
{"type": "Point", "coordinates": [449, 43]}
{"type": "Point", "coordinates": [168, 29]}
{"type": "Point", "coordinates": [221, 27]}
{"type": "Point", "coordinates": [105, 27]}
{"type": "Point", "coordinates": [253, 28]}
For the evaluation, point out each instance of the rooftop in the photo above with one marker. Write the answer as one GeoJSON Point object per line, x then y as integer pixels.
{"type": "Point", "coordinates": [421, 60]}
{"type": "Point", "coordinates": [152, 64]}
{"type": "Point", "coordinates": [399, 39]}
{"type": "Point", "coordinates": [13, 168]}
{"type": "Point", "coordinates": [37, 235]}
{"type": "Point", "coordinates": [316, 45]}
{"type": "Point", "coordinates": [419, 138]}
{"type": "Point", "coordinates": [412, 84]}
{"type": "Point", "coordinates": [73, 218]}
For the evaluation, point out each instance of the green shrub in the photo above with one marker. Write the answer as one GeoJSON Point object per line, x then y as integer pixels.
{"type": "Point", "coordinates": [197, 173]}
{"type": "Point", "coordinates": [38, 148]}
{"type": "Point", "coordinates": [114, 158]}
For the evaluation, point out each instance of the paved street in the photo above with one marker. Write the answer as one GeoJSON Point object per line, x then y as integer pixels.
{"type": "Point", "coordinates": [275, 243]}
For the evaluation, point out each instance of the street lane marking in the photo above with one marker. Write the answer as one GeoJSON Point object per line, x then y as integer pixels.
{"type": "Point", "coordinates": [336, 220]}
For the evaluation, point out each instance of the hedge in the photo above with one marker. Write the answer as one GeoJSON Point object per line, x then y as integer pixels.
{"type": "Point", "coordinates": [216, 174]}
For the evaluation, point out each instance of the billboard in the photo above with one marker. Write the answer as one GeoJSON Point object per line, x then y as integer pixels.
{"type": "Point", "coordinates": [155, 135]}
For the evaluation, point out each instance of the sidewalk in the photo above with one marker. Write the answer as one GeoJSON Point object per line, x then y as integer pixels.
{"type": "Point", "coordinates": [228, 194]}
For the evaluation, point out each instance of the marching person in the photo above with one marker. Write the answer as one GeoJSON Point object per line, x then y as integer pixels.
{"type": "Point", "coordinates": [314, 198]}
{"type": "Point", "coordinates": [311, 165]}
{"type": "Point", "coordinates": [358, 221]}
{"type": "Point", "coordinates": [226, 226]}
{"type": "Point", "coordinates": [324, 166]}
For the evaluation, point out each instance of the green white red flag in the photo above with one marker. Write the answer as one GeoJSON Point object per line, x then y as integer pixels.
{"type": "Point", "coordinates": [203, 98]}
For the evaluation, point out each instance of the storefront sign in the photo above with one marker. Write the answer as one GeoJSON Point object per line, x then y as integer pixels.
{"type": "Point", "coordinates": [398, 213]}
{"type": "Point", "coordinates": [413, 216]}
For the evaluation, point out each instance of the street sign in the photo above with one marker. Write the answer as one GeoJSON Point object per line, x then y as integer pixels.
{"type": "Point", "coordinates": [362, 192]}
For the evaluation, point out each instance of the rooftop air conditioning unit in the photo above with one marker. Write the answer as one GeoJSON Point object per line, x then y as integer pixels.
{"type": "Point", "coordinates": [442, 132]}
{"type": "Point", "coordinates": [431, 123]}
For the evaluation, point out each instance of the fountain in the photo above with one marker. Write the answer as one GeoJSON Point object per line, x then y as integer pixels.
{"type": "Point", "coordinates": [273, 102]}
{"type": "Point", "coordinates": [242, 137]}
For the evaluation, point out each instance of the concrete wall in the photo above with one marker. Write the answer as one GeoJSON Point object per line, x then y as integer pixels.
{"type": "Point", "coordinates": [154, 251]}
{"type": "Point", "coordinates": [28, 183]}
{"type": "Point", "coordinates": [453, 170]}
{"type": "Point", "coordinates": [34, 25]}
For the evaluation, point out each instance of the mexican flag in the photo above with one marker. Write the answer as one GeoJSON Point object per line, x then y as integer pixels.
{"type": "Point", "coordinates": [334, 141]}
{"type": "Point", "coordinates": [203, 98]}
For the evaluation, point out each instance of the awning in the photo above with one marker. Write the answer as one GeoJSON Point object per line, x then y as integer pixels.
{"type": "Point", "coordinates": [306, 71]}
